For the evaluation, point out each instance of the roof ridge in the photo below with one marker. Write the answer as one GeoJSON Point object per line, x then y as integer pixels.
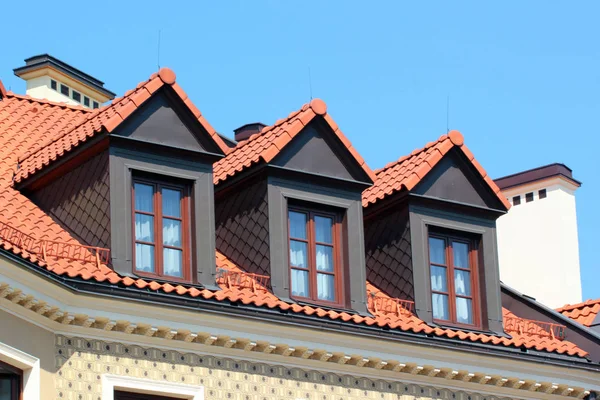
{"type": "Point", "coordinates": [571, 307]}
{"type": "Point", "coordinates": [49, 102]}
{"type": "Point", "coordinates": [89, 116]}
{"type": "Point", "coordinates": [269, 128]}
{"type": "Point", "coordinates": [414, 153]}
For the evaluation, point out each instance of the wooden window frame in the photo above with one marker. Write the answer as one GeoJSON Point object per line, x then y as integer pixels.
{"type": "Point", "coordinates": [516, 200]}
{"type": "Point", "coordinates": [338, 280]}
{"type": "Point", "coordinates": [16, 375]}
{"type": "Point", "coordinates": [186, 217]}
{"type": "Point", "coordinates": [542, 194]}
{"type": "Point", "coordinates": [529, 197]}
{"type": "Point", "coordinates": [475, 297]}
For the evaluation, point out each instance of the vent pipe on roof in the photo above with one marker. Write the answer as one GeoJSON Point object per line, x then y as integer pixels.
{"type": "Point", "coordinates": [245, 131]}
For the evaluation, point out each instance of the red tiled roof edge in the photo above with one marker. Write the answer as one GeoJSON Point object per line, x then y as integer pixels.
{"type": "Point", "coordinates": [584, 313]}
{"type": "Point", "coordinates": [419, 163]}
{"type": "Point", "coordinates": [266, 144]}
{"type": "Point", "coordinates": [568, 307]}
{"type": "Point", "coordinates": [109, 118]}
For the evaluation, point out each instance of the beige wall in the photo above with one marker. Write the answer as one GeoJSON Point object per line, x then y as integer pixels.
{"type": "Point", "coordinates": [82, 363]}
{"type": "Point", "coordinates": [34, 341]}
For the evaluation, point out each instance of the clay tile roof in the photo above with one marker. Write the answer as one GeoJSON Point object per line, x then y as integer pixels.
{"type": "Point", "coordinates": [26, 122]}
{"type": "Point", "coordinates": [585, 313]}
{"type": "Point", "coordinates": [266, 144]}
{"type": "Point", "coordinates": [408, 171]}
{"type": "Point", "coordinates": [106, 118]}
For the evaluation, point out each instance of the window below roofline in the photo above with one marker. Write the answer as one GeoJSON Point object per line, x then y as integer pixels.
{"type": "Point", "coordinates": [454, 270]}
{"type": "Point", "coordinates": [424, 220]}
{"type": "Point", "coordinates": [315, 236]}
{"type": "Point", "coordinates": [161, 217]}
{"type": "Point", "coordinates": [347, 203]}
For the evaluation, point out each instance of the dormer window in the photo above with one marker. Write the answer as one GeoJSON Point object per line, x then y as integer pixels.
{"type": "Point", "coordinates": [453, 266]}
{"type": "Point", "coordinates": [314, 255]}
{"type": "Point", "coordinates": [161, 229]}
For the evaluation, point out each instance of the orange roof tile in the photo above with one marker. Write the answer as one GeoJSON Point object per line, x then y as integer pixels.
{"type": "Point", "coordinates": [408, 171]}
{"type": "Point", "coordinates": [265, 145]}
{"type": "Point", "coordinates": [106, 118]}
{"type": "Point", "coordinates": [585, 313]}
{"type": "Point", "coordinates": [25, 122]}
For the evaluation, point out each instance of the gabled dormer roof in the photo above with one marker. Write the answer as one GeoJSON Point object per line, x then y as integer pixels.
{"type": "Point", "coordinates": [407, 172]}
{"type": "Point", "coordinates": [265, 145]}
{"type": "Point", "coordinates": [107, 119]}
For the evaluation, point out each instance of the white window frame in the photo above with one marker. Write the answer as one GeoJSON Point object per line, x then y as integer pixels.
{"type": "Point", "coordinates": [30, 366]}
{"type": "Point", "coordinates": [110, 383]}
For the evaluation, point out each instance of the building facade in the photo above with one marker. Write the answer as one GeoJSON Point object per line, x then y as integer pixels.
{"type": "Point", "coordinates": [144, 256]}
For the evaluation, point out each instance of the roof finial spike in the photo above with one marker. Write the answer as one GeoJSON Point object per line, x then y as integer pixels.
{"type": "Point", "coordinates": [448, 114]}
{"type": "Point", "coordinates": [158, 51]}
{"type": "Point", "coordinates": [310, 83]}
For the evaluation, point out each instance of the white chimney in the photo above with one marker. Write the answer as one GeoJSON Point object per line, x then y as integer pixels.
{"type": "Point", "coordinates": [51, 79]}
{"type": "Point", "coordinates": [537, 239]}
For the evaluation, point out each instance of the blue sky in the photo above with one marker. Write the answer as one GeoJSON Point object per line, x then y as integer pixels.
{"type": "Point", "coordinates": [523, 77]}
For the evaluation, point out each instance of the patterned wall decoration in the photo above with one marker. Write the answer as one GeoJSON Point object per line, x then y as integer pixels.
{"type": "Point", "coordinates": [82, 362]}
{"type": "Point", "coordinates": [79, 201]}
{"type": "Point", "coordinates": [388, 254]}
{"type": "Point", "coordinates": [242, 227]}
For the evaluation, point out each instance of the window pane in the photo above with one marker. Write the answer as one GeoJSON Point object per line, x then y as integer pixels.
{"type": "Point", "coordinates": [438, 279]}
{"type": "Point", "coordinates": [298, 254]}
{"type": "Point", "coordinates": [144, 257]}
{"type": "Point", "coordinates": [6, 388]}
{"type": "Point", "coordinates": [299, 283]}
{"type": "Point", "coordinates": [143, 197]}
{"type": "Point", "coordinates": [325, 287]}
{"type": "Point", "coordinates": [464, 310]}
{"type": "Point", "coordinates": [440, 306]}
{"type": "Point", "coordinates": [460, 253]}
{"type": "Point", "coordinates": [462, 282]}
{"type": "Point", "coordinates": [171, 203]}
{"type": "Point", "coordinates": [172, 232]}
{"type": "Point", "coordinates": [323, 228]}
{"type": "Point", "coordinates": [144, 227]}
{"type": "Point", "coordinates": [297, 225]}
{"type": "Point", "coordinates": [437, 250]}
{"type": "Point", "coordinates": [173, 262]}
{"type": "Point", "coordinates": [324, 258]}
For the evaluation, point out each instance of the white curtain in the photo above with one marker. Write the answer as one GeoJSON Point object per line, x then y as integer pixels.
{"type": "Point", "coordinates": [171, 203]}
{"type": "Point", "coordinates": [143, 197]}
{"type": "Point", "coordinates": [462, 282]}
{"type": "Point", "coordinates": [172, 232]}
{"type": "Point", "coordinates": [324, 258]}
{"type": "Point", "coordinates": [463, 310]}
{"type": "Point", "coordinates": [172, 261]}
{"type": "Point", "coordinates": [144, 227]}
{"type": "Point", "coordinates": [298, 254]}
{"type": "Point", "coordinates": [299, 283]}
{"type": "Point", "coordinates": [440, 306]}
{"type": "Point", "coordinates": [438, 279]}
{"type": "Point", "coordinates": [461, 254]}
{"type": "Point", "coordinates": [325, 287]}
{"type": "Point", "coordinates": [144, 257]}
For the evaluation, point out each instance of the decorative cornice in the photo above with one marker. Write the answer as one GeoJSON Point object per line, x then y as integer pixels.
{"type": "Point", "coordinates": [55, 314]}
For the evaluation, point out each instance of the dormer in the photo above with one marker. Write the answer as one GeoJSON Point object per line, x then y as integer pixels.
{"type": "Point", "coordinates": [288, 206]}
{"type": "Point", "coordinates": [134, 177]}
{"type": "Point", "coordinates": [52, 79]}
{"type": "Point", "coordinates": [430, 230]}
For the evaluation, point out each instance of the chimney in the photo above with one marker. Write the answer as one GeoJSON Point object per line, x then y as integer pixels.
{"type": "Point", "coordinates": [52, 79]}
{"type": "Point", "coordinates": [245, 131]}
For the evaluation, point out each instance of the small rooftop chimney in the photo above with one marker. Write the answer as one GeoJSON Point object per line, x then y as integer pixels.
{"type": "Point", "coordinates": [52, 79]}
{"type": "Point", "coordinates": [245, 131]}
